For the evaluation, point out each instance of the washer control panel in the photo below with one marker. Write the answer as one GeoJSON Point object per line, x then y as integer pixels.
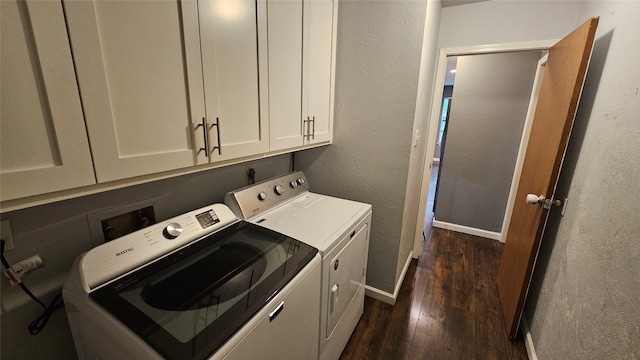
{"type": "Point", "coordinates": [110, 260]}
{"type": "Point", "coordinates": [255, 199]}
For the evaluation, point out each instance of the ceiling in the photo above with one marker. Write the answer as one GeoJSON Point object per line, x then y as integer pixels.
{"type": "Point", "coordinates": [446, 3]}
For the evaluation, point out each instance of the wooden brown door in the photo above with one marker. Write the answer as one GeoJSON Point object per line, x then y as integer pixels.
{"type": "Point", "coordinates": [555, 111]}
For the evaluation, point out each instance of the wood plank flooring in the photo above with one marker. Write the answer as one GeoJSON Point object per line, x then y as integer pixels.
{"type": "Point", "coordinates": [447, 308]}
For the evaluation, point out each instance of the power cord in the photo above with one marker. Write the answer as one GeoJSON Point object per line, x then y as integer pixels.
{"type": "Point", "coordinates": [38, 324]}
{"type": "Point", "coordinates": [252, 175]}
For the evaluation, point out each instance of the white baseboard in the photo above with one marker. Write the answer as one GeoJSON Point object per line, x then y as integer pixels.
{"type": "Point", "coordinates": [528, 340]}
{"type": "Point", "coordinates": [467, 230]}
{"type": "Point", "coordinates": [379, 295]}
{"type": "Point", "coordinates": [385, 296]}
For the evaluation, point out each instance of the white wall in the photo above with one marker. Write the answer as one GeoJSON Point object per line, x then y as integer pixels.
{"type": "Point", "coordinates": [495, 22]}
{"type": "Point", "coordinates": [583, 302]}
{"type": "Point", "coordinates": [418, 166]}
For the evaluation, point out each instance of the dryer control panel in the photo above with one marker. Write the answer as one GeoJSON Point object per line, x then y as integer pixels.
{"type": "Point", "coordinates": [255, 199]}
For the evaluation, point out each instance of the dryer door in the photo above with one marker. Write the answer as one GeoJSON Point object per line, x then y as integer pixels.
{"type": "Point", "coordinates": [346, 275]}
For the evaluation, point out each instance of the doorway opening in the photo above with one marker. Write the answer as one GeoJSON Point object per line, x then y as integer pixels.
{"type": "Point", "coordinates": [437, 136]}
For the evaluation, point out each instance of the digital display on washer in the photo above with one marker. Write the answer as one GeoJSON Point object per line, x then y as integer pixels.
{"type": "Point", "coordinates": [207, 218]}
{"type": "Point", "coordinates": [188, 304]}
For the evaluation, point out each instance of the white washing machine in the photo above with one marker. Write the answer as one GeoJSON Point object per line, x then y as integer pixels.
{"type": "Point", "coordinates": [202, 285]}
{"type": "Point", "coordinates": [338, 228]}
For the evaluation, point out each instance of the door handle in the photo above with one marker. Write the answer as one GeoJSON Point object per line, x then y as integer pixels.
{"type": "Point", "coordinates": [334, 298]}
{"type": "Point", "coordinates": [313, 128]}
{"type": "Point", "coordinates": [219, 146]}
{"type": "Point", "coordinates": [533, 199]}
{"type": "Point", "coordinates": [205, 134]}
{"type": "Point", "coordinates": [306, 123]}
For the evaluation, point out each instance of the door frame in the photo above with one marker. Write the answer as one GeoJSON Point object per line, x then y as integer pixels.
{"type": "Point", "coordinates": [434, 118]}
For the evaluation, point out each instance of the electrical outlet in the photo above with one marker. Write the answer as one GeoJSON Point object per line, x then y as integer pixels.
{"type": "Point", "coordinates": [6, 234]}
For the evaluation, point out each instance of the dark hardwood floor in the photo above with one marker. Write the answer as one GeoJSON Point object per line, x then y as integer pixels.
{"type": "Point", "coordinates": [447, 308]}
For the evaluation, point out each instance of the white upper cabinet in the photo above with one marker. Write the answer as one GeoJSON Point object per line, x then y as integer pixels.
{"type": "Point", "coordinates": [301, 72]}
{"type": "Point", "coordinates": [97, 92]}
{"type": "Point", "coordinates": [318, 69]}
{"type": "Point", "coordinates": [285, 73]}
{"type": "Point", "coordinates": [233, 35]}
{"type": "Point", "coordinates": [138, 71]}
{"type": "Point", "coordinates": [43, 144]}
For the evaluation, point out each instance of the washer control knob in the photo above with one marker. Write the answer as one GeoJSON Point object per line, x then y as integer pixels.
{"type": "Point", "coordinates": [300, 181]}
{"type": "Point", "coordinates": [172, 231]}
{"type": "Point", "coordinates": [279, 189]}
{"type": "Point", "coordinates": [262, 196]}
{"type": "Point", "coordinates": [293, 184]}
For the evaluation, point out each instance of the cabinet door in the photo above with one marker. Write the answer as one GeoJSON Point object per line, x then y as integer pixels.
{"type": "Point", "coordinates": [139, 77]}
{"type": "Point", "coordinates": [285, 74]}
{"type": "Point", "coordinates": [318, 71]}
{"type": "Point", "coordinates": [234, 65]}
{"type": "Point", "coordinates": [301, 66]}
{"type": "Point", "coordinates": [43, 142]}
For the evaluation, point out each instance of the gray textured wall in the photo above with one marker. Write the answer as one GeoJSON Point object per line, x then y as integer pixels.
{"type": "Point", "coordinates": [59, 232]}
{"type": "Point", "coordinates": [489, 107]}
{"type": "Point", "coordinates": [378, 61]}
{"type": "Point", "coordinates": [585, 296]}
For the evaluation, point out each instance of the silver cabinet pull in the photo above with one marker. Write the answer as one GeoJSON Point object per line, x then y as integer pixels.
{"type": "Point", "coordinates": [306, 122]}
{"type": "Point", "coordinates": [313, 131]}
{"type": "Point", "coordinates": [205, 134]}
{"type": "Point", "coordinates": [278, 310]}
{"type": "Point", "coordinates": [219, 146]}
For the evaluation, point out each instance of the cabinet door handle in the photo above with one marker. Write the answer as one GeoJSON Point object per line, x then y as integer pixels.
{"type": "Point", "coordinates": [306, 122]}
{"type": "Point", "coordinates": [313, 131]}
{"type": "Point", "coordinates": [219, 146]}
{"type": "Point", "coordinates": [205, 134]}
{"type": "Point", "coordinates": [278, 310]}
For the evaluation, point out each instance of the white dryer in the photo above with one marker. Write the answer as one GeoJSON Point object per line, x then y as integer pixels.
{"type": "Point", "coordinates": [338, 228]}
